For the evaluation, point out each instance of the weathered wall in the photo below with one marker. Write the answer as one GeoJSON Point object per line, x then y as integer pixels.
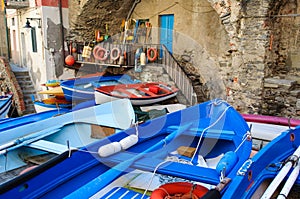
{"type": "Point", "coordinates": [86, 16]}
{"type": "Point", "coordinates": [3, 34]}
{"type": "Point", "coordinates": [9, 83]}
{"type": "Point", "coordinates": [243, 51]}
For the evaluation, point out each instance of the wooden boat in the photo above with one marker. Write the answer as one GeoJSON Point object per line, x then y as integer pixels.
{"type": "Point", "coordinates": [55, 91]}
{"type": "Point", "coordinates": [265, 128]}
{"type": "Point", "coordinates": [5, 104]}
{"type": "Point", "coordinates": [58, 134]}
{"type": "Point", "coordinates": [52, 83]}
{"type": "Point", "coordinates": [275, 120]}
{"type": "Point", "coordinates": [82, 89]}
{"type": "Point", "coordinates": [139, 94]}
{"type": "Point", "coordinates": [275, 163]}
{"type": "Point", "coordinates": [198, 144]}
{"type": "Point", "coordinates": [53, 103]}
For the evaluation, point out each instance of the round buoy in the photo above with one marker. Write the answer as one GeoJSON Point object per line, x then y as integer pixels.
{"type": "Point", "coordinates": [69, 60]}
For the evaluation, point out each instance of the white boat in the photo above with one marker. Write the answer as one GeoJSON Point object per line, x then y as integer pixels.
{"type": "Point", "coordinates": [139, 94]}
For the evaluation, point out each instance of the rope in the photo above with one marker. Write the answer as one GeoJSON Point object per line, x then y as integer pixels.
{"type": "Point", "coordinates": [150, 182]}
{"type": "Point", "coordinates": [216, 103]}
{"type": "Point", "coordinates": [244, 139]}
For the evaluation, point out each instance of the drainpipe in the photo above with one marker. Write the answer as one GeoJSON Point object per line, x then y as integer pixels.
{"type": "Point", "coordinates": [62, 32]}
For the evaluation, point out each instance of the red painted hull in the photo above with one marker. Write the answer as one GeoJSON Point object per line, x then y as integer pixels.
{"type": "Point", "coordinates": [271, 120]}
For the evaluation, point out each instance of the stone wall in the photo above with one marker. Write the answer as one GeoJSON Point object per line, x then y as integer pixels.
{"type": "Point", "coordinates": [9, 83]}
{"type": "Point", "coordinates": [243, 51]}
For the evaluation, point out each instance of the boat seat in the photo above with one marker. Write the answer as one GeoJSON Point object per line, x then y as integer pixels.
{"type": "Point", "coordinates": [207, 175]}
{"type": "Point", "coordinates": [121, 192]}
{"type": "Point", "coordinates": [210, 133]}
{"type": "Point", "coordinates": [129, 94]}
{"type": "Point", "coordinates": [49, 146]}
{"type": "Point", "coordinates": [146, 92]}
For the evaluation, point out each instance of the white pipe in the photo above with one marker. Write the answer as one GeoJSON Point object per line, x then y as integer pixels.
{"type": "Point", "coordinates": [280, 176]}
{"type": "Point", "coordinates": [290, 182]}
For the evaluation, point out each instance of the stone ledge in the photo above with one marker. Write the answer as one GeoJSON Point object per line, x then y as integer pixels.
{"type": "Point", "coordinates": [279, 82]}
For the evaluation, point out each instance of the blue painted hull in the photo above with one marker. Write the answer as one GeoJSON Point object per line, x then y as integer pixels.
{"type": "Point", "coordinates": [5, 104]}
{"type": "Point", "coordinates": [52, 134]}
{"type": "Point", "coordinates": [82, 89]}
{"type": "Point", "coordinates": [27, 119]}
{"type": "Point", "coordinates": [216, 126]}
{"type": "Point", "coordinates": [264, 166]}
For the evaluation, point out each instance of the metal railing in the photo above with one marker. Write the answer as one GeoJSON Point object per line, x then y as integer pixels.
{"type": "Point", "coordinates": [178, 75]}
{"type": "Point", "coordinates": [165, 59]}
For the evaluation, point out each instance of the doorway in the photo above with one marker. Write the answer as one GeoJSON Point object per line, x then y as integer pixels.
{"type": "Point", "coordinates": [166, 31]}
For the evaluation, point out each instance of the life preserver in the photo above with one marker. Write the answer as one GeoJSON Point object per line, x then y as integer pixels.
{"type": "Point", "coordinates": [149, 54]}
{"type": "Point", "coordinates": [112, 53]}
{"type": "Point", "coordinates": [179, 188]}
{"type": "Point", "coordinates": [100, 53]}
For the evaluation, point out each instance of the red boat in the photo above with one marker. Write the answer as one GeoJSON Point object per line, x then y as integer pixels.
{"type": "Point", "coordinates": [139, 94]}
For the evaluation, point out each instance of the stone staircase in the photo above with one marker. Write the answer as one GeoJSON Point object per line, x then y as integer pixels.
{"type": "Point", "coordinates": [28, 89]}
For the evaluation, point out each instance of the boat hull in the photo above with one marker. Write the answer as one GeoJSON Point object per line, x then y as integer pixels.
{"type": "Point", "coordinates": [5, 104]}
{"type": "Point", "coordinates": [79, 174]}
{"type": "Point", "coordinates": [82, 89]}
{"type": "Point", "coordinates": [60, 133]}
{"type": "Point", "coordinates": [42, 107]}
{"type": "Point", "coordinates": [255, 175]}
{"type": "Point", "coordinates": [103, 95]}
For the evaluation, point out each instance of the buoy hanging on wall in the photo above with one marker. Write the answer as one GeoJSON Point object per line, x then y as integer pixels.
{"type": "Point", "coordinates": [69, 60]}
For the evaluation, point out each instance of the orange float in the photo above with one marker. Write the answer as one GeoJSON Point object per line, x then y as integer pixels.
{"type": "Point", "coordinates": [180, 190]}
{"type": "Point", "coordinates": [69, 60]}
{"type": "Point", "coordinates": [150, 52]}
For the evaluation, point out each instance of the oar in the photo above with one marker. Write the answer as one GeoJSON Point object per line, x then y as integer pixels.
{"type": "Point", "coordinates": [100, 182]}
{"type": "Point", "coordinates": [28, 139]}
{"type": "Point", "coordinates": [281, 175]}
{"type": "Point", "coordinates": [289, 183]}
{"type": "Point", "coordinates": [216, 192]}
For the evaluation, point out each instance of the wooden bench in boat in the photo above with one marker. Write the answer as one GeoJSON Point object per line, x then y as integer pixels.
{"type": "Point", "coordinates": [129, 94]}
{"type": "Point", "coordinates": [206, 175]}
{"type": "Point", "coordinates": [49, 146]}
{"type": "Point", "coordinates": [146, 92]}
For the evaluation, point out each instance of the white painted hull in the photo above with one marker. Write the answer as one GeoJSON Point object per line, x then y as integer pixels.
{"type": "Point", "coordinates": [101, 98]}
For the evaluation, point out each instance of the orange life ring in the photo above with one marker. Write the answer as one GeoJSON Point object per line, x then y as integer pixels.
{"type": "Point", "coordinates": [112, 52]}
{"type": "Point", "coordinates": [149, 54]}
{"type": "Point", "coordinates": [179, 189]}
{"type": "Point", "coordinates": [100, 53]}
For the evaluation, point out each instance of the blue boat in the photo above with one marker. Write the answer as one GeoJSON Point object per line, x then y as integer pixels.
{"type": "Point", "coordinates": [5, 104]}
{"type": "Point", "coordinates": [275, 163]}
{"type": "Point", "coordinates": [9, 123]}
{"type": "Point", "coordinates": [82, 88]}
{"type": "Point", "coordinates": [61, 133]}
{"type": "Point", "coordinates": [205, 143]}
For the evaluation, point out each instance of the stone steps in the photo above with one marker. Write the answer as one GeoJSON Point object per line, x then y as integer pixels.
{"type": "Point", "coordinates": [28, 90]}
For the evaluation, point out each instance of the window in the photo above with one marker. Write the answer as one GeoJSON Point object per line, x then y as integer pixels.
{"type": "Point", "coordinates": [33, 39]}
